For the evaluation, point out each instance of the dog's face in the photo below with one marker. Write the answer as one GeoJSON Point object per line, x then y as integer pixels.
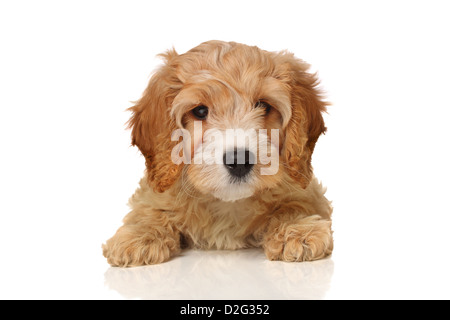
{"type": "Point", "coordinates": [249, 120]}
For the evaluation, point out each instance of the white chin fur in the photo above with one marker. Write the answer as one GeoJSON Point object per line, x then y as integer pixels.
{"type": "Point", "coordinates": [234, 193]}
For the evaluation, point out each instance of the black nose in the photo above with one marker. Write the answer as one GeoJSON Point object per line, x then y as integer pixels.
{"type": "Point", "coordinates": [238, 162]}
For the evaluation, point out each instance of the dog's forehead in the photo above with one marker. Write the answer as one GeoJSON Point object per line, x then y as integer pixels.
{"type": "Point", "coordinates": [238, 65]}
{"type": "Point", "coordinates": [230, 78]}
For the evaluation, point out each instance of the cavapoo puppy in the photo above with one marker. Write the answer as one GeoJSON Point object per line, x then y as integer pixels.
{"type": "Point", "coordinates": [227, 131]}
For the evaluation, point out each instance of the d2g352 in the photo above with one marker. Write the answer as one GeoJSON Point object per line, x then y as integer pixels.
{"type": "Point", "coordinates": [246, 309]}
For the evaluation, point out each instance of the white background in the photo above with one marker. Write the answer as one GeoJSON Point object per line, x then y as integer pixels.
{"type": "Point", "coordinates": [69, 69]}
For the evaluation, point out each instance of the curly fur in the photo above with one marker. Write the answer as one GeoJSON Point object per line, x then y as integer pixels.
{"type": "Point", "coordinates": [185, 205]}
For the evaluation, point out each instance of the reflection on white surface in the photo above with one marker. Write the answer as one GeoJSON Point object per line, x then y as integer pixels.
{"type": "Point", "coordinates": [241, 274]}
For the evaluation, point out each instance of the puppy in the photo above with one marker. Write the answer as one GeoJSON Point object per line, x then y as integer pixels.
{"type": "Point", "coordinates": [206, 187]}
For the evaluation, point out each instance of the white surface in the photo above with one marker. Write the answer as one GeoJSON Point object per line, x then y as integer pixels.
{"type": "Point", "coordinates": [69, 70]}
{"type": "Point", "coordinates": [243, 274]}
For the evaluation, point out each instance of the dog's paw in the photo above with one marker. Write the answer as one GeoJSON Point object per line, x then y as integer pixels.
{"type": "Point", "coordinates": [131, 247]}
{"type": "Point", "coordinates": [306, 240]}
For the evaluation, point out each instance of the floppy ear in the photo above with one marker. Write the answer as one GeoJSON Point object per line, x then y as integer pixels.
{"type": "Point", "coordinates": [306, 124]}
{"type": "Point", "coordinates": [152, 126]}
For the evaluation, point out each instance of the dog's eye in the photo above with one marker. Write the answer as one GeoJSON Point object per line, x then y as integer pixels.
{"type": "Point", "coordinates": [200, 112]}
{"type": "Point", "coordinates": [263, 104]}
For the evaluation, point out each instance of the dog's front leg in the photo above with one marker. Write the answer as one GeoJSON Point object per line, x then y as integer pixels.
{"type": "Point", "coordinates": [147, 237]}
{"type": "Point", "coordinates": [293, 237]}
